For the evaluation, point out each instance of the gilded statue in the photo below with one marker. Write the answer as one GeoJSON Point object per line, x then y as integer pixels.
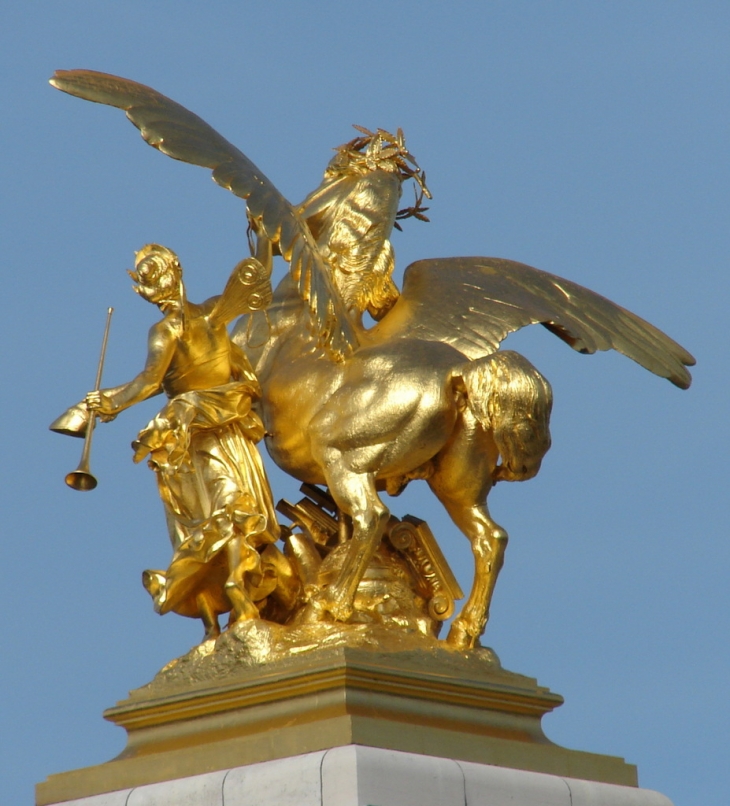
{"type": "Point", "coordinates": [424, 392]}
{"type": "Point", "coordinates": [202, 446]}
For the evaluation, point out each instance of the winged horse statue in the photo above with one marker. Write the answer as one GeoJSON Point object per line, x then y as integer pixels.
{"type": "Point", "coordinates": [425, 393]}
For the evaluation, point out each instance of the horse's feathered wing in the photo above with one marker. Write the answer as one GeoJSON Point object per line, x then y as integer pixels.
{"type": "Point", "coordinates": [473, 303]}
{"type": "Point", "coordinates": [182, 135]}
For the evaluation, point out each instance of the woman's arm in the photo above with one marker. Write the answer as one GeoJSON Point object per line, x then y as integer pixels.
{"type": "Point", "coordinates": [160, 350]}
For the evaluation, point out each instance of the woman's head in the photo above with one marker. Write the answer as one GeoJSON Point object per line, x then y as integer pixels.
{"type": "Point", "coordinates": [157, 274]}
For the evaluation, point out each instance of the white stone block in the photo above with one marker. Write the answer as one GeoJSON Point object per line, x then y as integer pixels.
{"type": "Point", "coordinates": [587, 793]}
{"type": "Point", "coordinates": [118, 798]}
{"type": "Point", "coordinates": [286, 782]}
{"type": "Point", "coordinates": [366, 776]}
{"type": "Point", "coordinates": [486, 785]}
{"type": "Point", "coordinates": [198, 790]}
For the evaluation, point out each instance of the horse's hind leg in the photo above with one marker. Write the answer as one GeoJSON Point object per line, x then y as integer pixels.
{"type": "Point", "coordinates": [462, 481]}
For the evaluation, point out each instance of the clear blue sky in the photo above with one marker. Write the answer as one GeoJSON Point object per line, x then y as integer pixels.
{"type": "Point", "coordinates": [587, 139]}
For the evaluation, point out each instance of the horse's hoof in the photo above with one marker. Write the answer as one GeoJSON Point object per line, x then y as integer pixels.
{"type": "Point", "coordinates": [212, 634]}
{"type": "Point", "coordinates": [460, 638]}
{"type": "Point", "coordinates": [313, 613]}
{"type": "Point", "coordinates": [338, 607]}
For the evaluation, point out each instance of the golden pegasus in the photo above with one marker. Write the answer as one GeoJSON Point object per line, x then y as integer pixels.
{"type": "Point", "coordinates": [425, 393]}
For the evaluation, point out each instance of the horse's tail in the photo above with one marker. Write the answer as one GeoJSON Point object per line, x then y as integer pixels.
{"type": "Point", "coordinates": [510, 398]}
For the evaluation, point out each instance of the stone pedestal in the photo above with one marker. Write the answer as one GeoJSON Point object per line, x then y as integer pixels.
{"type": "Point", "coordinates": [229, 716]}
{"type": "Point", "coordinates": [367, 776]}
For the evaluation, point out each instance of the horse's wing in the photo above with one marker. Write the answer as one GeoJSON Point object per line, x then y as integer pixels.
{"type": "Point", "coordinates": [180, 134]}
{"type": "Point", "coordinates": [473, 303]}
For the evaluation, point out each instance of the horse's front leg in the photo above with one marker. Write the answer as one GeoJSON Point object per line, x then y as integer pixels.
{"type": "Point", "coordinates": [356, 496]}
{"type": "Point", "coordinates": [463, 478]}
{"type": "Point", "coordinates": [488, 543]}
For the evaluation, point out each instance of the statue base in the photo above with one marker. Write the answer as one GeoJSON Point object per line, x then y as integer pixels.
{"type": "Point", "coordinates": [356, 776]}
{"type": "Point", "coordinates": [223, 709]}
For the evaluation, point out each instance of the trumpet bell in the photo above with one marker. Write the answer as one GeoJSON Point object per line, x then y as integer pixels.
{"type": "Point", "coordinates": [81, 479]}
{"type": "Point", "coordinates": [74, 422]}
{"type": "Point", "coordinates": [78, 421]}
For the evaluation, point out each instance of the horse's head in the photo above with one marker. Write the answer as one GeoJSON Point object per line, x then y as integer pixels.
{"type": "Point", "coordinates": [513, 400]}
{"type": "Point", "coordinates": [520, 404]}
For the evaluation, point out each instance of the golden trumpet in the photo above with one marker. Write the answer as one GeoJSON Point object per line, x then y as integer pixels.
{"type": "Point", "coordinates": [76, 423]}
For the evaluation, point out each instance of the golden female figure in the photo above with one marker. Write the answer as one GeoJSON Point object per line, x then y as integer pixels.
{"type": "Point", "coordinates": [202, 445]}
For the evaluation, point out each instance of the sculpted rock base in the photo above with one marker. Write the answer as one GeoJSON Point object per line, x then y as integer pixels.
{"type": "Point", "coordinates": [253, 645]}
